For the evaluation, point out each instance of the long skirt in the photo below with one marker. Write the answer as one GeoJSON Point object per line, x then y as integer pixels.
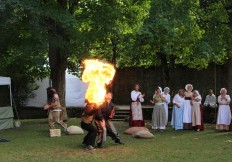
{"type": "Point", "coordinates": [159, 117]}
{"type": "Point", "coordinates": [224, 117]}
{"type": "Point", "coordinates": [187, 117]}
{"type": "Point", "coordinates": [166, 111]}
{"type": "Point", "coordinates": [197, 117]}
{"type": "Point", "coordinates": [136, 115]}
{"type": "Point", "coordinates": [177, 117]}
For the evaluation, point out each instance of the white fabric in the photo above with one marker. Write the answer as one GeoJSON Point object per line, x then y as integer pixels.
{"type": "Point", "coordinates": [178, 100]}
{"type": "Point", "coordinates": [75, 92]}
{"type": "Point", "coordinates": [137, 113]}
{"type": "Point", "coordinates": [224, 101]}
{"type": "Point", "coordinates": [187, 117]}
{"type": "Point", "coordinates": [198, 98]}
{"type": "Point", "coordinates": [135, 95]}
{"type": "Point", "coordinates": [5, 80]}
{"type": "Point", "coordinates": [168, 100]}
{"type": "Point", "coordinates": [224, 113]}
{"type": "Point", "coordinates": [210, 100]}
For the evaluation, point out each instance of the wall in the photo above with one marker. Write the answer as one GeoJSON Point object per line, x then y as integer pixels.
{"type": "Point", "coordinates": [149, 78]}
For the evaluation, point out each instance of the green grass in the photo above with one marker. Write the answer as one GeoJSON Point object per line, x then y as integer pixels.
{"type": "Point", "coordinates": [31, 142]}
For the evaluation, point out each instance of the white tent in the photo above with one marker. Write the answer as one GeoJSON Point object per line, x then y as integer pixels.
{"type": "Point", "coordinates": [6, 110]}
{"type": "Point", "coordinates": [75, 92]}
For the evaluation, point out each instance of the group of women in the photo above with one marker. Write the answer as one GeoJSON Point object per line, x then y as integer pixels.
{"type": "Point", "coordinates": [187, 111]}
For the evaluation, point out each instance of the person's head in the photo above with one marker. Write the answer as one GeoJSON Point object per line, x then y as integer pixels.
{"type": "Point", "coordinates": [50, 92]}
{"type": "Point", "coordinates": [166, 90]}
{"type": "Point", "coordinates": [108, 96]}
{"type": "Point", "coordinates": [157, 90]}
{"type": "Point", "coordinates": [195, 93]}
{"type": "Point", "coordinates": [181, 92]}
{"type": "Point", "coordinates": [137, 86]}
{"type": "Point", "coordinates": [223, 91]}
{"type": "Point", "coordinates": [210, 92]}
{"type": "Point", "coordinates": [189, 87]}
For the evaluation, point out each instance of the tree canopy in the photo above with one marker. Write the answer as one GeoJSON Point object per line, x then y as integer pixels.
{"type": "Point", "coordinates": [42, 38]}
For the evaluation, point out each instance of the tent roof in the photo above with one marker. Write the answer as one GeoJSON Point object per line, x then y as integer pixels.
{"type": "Point", "coordinates": [5, 80]}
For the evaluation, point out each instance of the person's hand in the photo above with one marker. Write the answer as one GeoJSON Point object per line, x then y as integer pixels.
{"type": "Point", "coordinates": [151, 101]}
{"type": "Point", "coordinates": [143, 95]}
{"type": "Point", "coordinates": [178, 106]}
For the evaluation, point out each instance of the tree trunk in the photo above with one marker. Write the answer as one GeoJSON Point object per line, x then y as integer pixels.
{"type": "Point", "coordinates": [229, 63]}
{"type": "Point", "coordinates": [58, 65]}
{"type": "Point", "coordinates": [58, 55]}
{"type": "Point", "coordinates": [114, 50]}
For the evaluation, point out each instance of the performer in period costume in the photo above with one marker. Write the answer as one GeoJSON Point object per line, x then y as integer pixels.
{"type": "Point", "coordinates": [210, 103]}
{"type": "Point", "coordinates": [224, 113]}
{"type": "Point", "coordinates": [167, 102]}
{"type": "Point", "coordinates": [159, 115]}
{"type": "Point", "coordinates": [178, 109]}
{"type": "Point", "coordinates": [187, 117]}
{"type": "Point", "coordinates": [54, 109]}
{"type": "Point", "coordinates": [210, 100]}
{"type": "Point", "coordinates": [136, 113]}
{"type": "Point", "coordinates": [86, 124]}
{"type": "Point", "coordinates": [197, 114]}
{"type": "Point", "coordinates": [108, 112]}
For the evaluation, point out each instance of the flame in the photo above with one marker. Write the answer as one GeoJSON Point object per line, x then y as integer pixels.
{"type": "Point", "coordinates": [98, 74]}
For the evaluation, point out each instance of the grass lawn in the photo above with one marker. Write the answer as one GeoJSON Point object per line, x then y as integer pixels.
{"type": "Point", "coordinates": [31, 142]}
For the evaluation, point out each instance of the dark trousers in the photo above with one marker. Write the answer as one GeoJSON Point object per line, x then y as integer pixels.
{"type": "Point", "coordinates": [111, 131]}
{"type": "Point", "coordinates": [90, 138]}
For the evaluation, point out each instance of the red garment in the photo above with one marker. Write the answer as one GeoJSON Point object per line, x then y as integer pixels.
{"type": "Point", "coordinates": [230, 128]}
{"type": "Point", "coordinates": [135, 123]}
{"type": "Point", "coordinates": [201, 127]}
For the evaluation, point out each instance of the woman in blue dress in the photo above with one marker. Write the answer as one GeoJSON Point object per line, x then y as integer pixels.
{"type": "Point", "coordinates": [178, 109]}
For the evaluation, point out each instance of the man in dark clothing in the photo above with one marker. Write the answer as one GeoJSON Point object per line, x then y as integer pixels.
{"type": "Point", "coordinates": [108, 112]}
{"type": "Point", "coordinates": [86, 124]}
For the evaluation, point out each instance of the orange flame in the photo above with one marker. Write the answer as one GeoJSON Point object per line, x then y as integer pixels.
{"type": "Point", "coordinates": [98, 74]}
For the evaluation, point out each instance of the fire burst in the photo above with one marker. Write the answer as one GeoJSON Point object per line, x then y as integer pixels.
{"type": "Point", "coordinates": [98, 74]}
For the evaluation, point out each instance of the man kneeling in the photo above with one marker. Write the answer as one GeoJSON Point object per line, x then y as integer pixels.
{"type": "Point", "coordinates": [54, 109]}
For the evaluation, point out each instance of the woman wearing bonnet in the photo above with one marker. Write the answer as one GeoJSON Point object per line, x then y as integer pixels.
{"type": "Point", "coordinates": [197, 115]}
{"type": "Point", "coordinates": [187, 115]}
{"type": "Point", "coordinates": [224, 113]}
{"type": "Point", "coordinates": [159, 115]}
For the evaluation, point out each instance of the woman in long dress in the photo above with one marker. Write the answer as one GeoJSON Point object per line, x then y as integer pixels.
{"type": "Point", "coordinates": [159, 114]}
{"type": "Point", "coordinates": [167, 102]}
{"type": "Point", "coordinates": [136, 113]}
{"type": "Point", "coordinates": [178, 109]}
{"type": "Point", "coordinates": [224, 113]}
{"type": "Point", "coordinates": [197, 116]}
{"type": "Point", "coordinates": [187, 117]}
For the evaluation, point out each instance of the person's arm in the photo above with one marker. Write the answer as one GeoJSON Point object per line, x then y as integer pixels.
{"type": "Point", "coordinates": [206, 103]}
{"type": "Point", "coordinates": [168, 99]}
{"type": "Point", "coordinates": [141, 99]}
{"type": "Point", "coordinates": [219, 99]}
{"type": "Point", "coordinates": [175, 101]}
{"type": "Point", "coordinates": [228, 99]}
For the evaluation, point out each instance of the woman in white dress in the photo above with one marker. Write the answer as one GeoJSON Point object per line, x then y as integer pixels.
{"type": "Point", "coordinates": [187, 117]}
{"type": "Point", "coordinates": [136, 113]}
{"type": "Point", "coordinates": [224, 113]}
{"type": "Point", "coordinates": [167, 102]}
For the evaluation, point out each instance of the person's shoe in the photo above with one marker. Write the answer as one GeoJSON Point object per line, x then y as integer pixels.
{"type": "Point", "coordinates": [90, 148]}
{"type": "Point", "coordinates": [99, 145]}
{"type": "Point", "coordinates": [119, 142]}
